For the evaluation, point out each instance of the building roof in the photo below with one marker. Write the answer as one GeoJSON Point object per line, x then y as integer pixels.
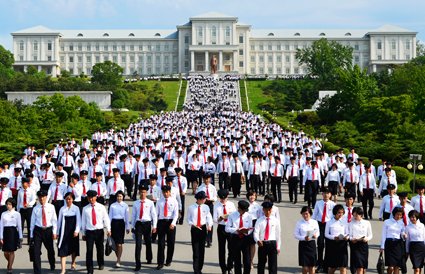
{"type": "Point", "coordinates": [36, 30]}
{"type": "Point", "coordinates": [213, 16]}
{"type": "Point", "coordinates": [391, 29]}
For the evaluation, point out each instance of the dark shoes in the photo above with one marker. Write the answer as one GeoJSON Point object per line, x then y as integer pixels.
{"type": "Point", "coordinates": [159, 267]}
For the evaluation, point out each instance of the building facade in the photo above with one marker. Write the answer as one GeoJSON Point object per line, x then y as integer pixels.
{"type": "Point", "coordinates": [234, 47]}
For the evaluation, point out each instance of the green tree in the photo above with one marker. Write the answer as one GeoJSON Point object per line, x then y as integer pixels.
{"type": "Point", "coordinates": [107, 74]}
{"type": "Point", "coordinates": [6, 62]}
{"type": "Point", "coordinates": [324, 58]}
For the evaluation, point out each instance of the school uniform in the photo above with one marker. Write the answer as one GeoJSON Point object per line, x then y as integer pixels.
{"type": "Point", "coordinates": [93, 220]}
{"type": "Point", "coordinates": [56, 195]}
{"type": "Point", "coordinates": [224, 171]}
{"type": "Point", "coordinates": [254, 176]}
{"type": "Point", "coordinates": [26, 201]}
{"type": "Point", "coordinates": [235, 179]}
{"type": "Point", "coordinates": [336, 254]}
{"type": "Point", "coordinates": [168, 212]}
{"type": "Point", "coordinates": [350, 181]}
{"type": "Point", "coordinates": [418, 203]}
{"type": "Point", "coordinates": [392, 243]}
{"type": "Point", "coordinates": [199, 218]}
{"type": "Point", "coordinates": [102, 191]}
{"type": "Point", "coordinates": [85, 185]}
{"type": "Point", "coordinates": [387, 205]}
{"type": "Point", "coordinates": [119, 215]}
{"type": "Point", "coordinates": [180, 182]}
{"type": "Point", "coordinates": [367, 185]}
{"type": "Point", "coordinates": [291, 175]}
{"type": "Point", "coordinates": [267, 230]}
{"type": "Point", "coordinates": [144, 219]}
{"type": "Point", "coordinates": [114, 185]}
{"type": "Point", "coordinates": [359, 251]}
{"type": "Point", "coordinates": [211, 193]}
{"type": "Point", "coordinates": [10, 230]}
{"type": "Point", "coordinates": [322, 214]}
{"type": "Point", "coordinates": [307, 252]}
{"type": "Point", "coordinates": [125, 171]}
{"type": "Point", "coordinates": [332, 181]}
{"type": "Point", "coordinates": [69, 222]}
{"type": "Point", "coordinates": [311, 183]}
{"type": "Point", "coordinates": [415, 243]}
{"type": "Point", "coordinates": [43, 226]}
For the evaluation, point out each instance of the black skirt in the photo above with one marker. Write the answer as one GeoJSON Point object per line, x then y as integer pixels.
{"type": "Point", "coordinates": [307, 253]}
{"type": "Point", "coordinates": [417, 254]}
{"type": "Point", "coordinates": [394, 251]}
{"type": "Point", "coordinates": [336, 253]}
{"type": "Point", "coordinates": [69, 244]}
{"type": "Point", "coordinates": [333, 187]}
{"type": "Point", "coordinates": [118, 230]}
{"type": "Point", "coordinates": [359, 255]}
{"type": "Point", "coordinates": [11, 234]}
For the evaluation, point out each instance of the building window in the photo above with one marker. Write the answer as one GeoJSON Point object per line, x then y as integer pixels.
{"type": "Point", "coordinates": [186, 52]}
{"type": "Point", "coordinates": [296, 46]}
{"type": "Point", "coordinates": [97, 47]}
{"type": "Point", "coordinates": [105, 58]}
{"type": "Point", "coordinates": [105, 48]}
{"type": "Point", "coordinates": [252, 70]}
{"type": "Point", "coordinates": [71, 59]}
{"type": "Point", "coordinates": [115, 59]}
{"type": "Point", "coordinates": [88, 59]}
{"type": "Point", "coordinates": [49, 45]}
{"type": "Point", "coordinates": [122, 59]}
{"type": "Point", "coordinates": [149, 59]}
{"type": "Point", "coordinates": [407, 56]}
{"type": "Point", "coordinates": [288, 71]}
{"type": "Point", "coordinates": [252, 58]}
{"type": "Point", "coordinates": [356, 47]}
{"type": "Point", "coordinates": [80, 59]}
{"type": "Point", "coordinates": [35, 45]}
{"type": "Point", "coordinates": [270, 59]}
{"type": "Point", "coordinates": [49, 58]}
{"type": "Point", "coordinates": [131, 47]}
{"type": "Point", "coordinates": [241, 64]}
{"type": "Point", "coordinates": [62, 59]}
{"type": "Point", "coordinates": [393, 57]}
{"type": "Point", "coordinates": [379, 45]}
{"type": "Point", "coordinates": [214, 35]}
{"type": "Point", "coordinates": [407, 44]}
{"type": "Point", "coordinates": [71, 71]}
{"type": "Point", "coordinates": [166, 47]}
{"type": "Point", "coordinates": [123, 47]}
{"type": "Point", "coordinates": [158, 48]}
{"type": "Point", "coordinates": [287, 58]}
{"type": "Point", "coordinates": [393, 44]}
{"type": "Point", "coordinates": [157, 59]}
{"type": "Point", "coordinates": [166, 59]}
{"type": "Point", "coordinates": [279, 47]}
{"type": "Point", "coordinates": [261, 47]}
{"type": "Point", "coordinates": [356, 59]}
{"type": "Point", "coordinates": [252, 47]}
{"type": "Point", "coordinates": [88, 71]}
{"type": "Point", "coordinates": [114, 48]}
{"type": "Point", "coordinates": [186, 39]}
{"type": "Point", "coordinates": [149, 48]}
{"type": "Point", "coordinates": [98, 59]}
{"type": "Point", "coordinates": [71, 47]}
{"type": "Point", "coordinates": [88, 47]}
{"type": "Point", "coordinates": [21, 45]}
{"type": "Point", "coordinates": [241, 39]}
{"type": "Point", "coordinates": [279, 70]}
{"type": "Point", "coordinates": [200, 34]}
{"type": "Point", "coordinates": [186, 64]}
{"type": "Point", "coordinates": [379, 57]}
{"type": "Point", "coordinates": [286, 47]}
{"type": "Point", "coordinates": [132, 59]}
{"type": "Point", "coordinates": [269, 47]}
{"type": "Point", "coordinates": [279, 59]}
{"type": "Point", "coordinates": [241, 52]}
{"type": "Point", "coordinates": [261, 59]}
{"type": "Point", "coordinates": [261, 70]}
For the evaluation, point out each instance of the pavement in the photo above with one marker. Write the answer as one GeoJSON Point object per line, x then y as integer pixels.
{"type": "Point", "coordinates": [182, 260]}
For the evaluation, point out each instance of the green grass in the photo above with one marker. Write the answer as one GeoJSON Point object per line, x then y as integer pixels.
{"type": "Point", "coordinates": [182, 95]}
{"type": "Point", "coordinates": [243, 95]}
{"type": "Point", "coordinates": [170, 91]}
{"type": "Point", "coordinates": [256, 95]}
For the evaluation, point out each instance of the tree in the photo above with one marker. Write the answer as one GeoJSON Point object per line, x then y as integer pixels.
{"type": "Point", "coordinates": [6, 58]}
{"type": "Point", "coordinates": [420, 48]}
{"type": "Point", "coordinates": [107, 73]}
{"type": "Point", "coordinates": [324, 58]}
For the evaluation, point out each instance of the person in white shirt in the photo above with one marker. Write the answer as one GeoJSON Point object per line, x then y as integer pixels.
{"type": "Point", "coordinates": [332, 181]}
{"type": "Point", "coordinates": [114, 185]}
{"type": "Point", "coordinates": [100, 187]}
{"type": "Point", "coordinates": [10, 232]}
{"type": "Point", "coordinates": [200, 220]}
{"type": "Point", "coordinates": [415, 239]}
{"type": "Point", "coordinates": [26, 200]}
{"type": "Point", "coordinates": [418, 202]}
{"type": "Point", "coordinates": [211, 193]}
{"type": "Point", "coordinates": [386, 180]}
{"type": "Point", "coordinates": [56, 192]}
{"type": "Point", "coordinates": [267, 236]}
{"type": "Point", "coordinates": [237, 175]}
{"type": "Point", "coordinates": [306, 232]}
{"type": "Point", "coordinates": [43, 231]}
{"type": "Point", "coordinates": [69, 224]}
{"type": "Point", "coordinates": [292, 177]}
{"type": "Point", "coordinates": [94, 219]}
{"type": "Point", "coordinates": [180, 183]}
{"type": "Point", "coordinates": [119, 215]}
{"type": "Point", "coordinates": [389, 202]}
{"type": "Point", "coordinates": [154, 191]}
{"type": "Point", "coordinates": [360, 233]}
{"type": "Point", "coordinates": [367, 188]}
{"type": "Point", "coordinates": [221, 213]}
{"type": "Point", "coordinates": [144, 222]}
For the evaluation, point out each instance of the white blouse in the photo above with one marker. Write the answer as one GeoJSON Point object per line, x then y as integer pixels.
{"type": "Point", "coordinates": [392, 229]}
{"type": "Point", "coordinates": [360, 229]}
{"type": "Point", "coordinates": [303, 227]}
{"type": "Point", "coordinates": [335, 228]}
{"type": "Point", "coordinates": [120, 211]}
{"type": "Point", "coordinates": [10, 218]}
{"type": "Point", "coordinates": [415, 233]}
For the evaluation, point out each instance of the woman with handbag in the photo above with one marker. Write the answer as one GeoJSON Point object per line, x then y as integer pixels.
{"type": "Point", "coordinates": [307, 231]}
{"type": "Point", "coordinates": [69, 224]}
{"type": "Point", "coordinates": [360, 233]}
{"type": "Point", "coordinates": [392, 242]}
{"type": "Point", "coordinates": [10, 229]}
{"type": "Point", "coordinates": [119, 215]}
{"type": "Point", "coordinates": [415, 246]}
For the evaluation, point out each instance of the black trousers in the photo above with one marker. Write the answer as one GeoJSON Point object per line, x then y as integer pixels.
{"type": "Point", "coordinates": [293, 188]}
{"type": "Point", "coordinates": [276, 185]}
{"type": "Point", "coordinates": [321, 244]}
{"type": "Point", "coordinates": [198, 247]}
{"type": "Point", "coordinates": [240, 249]}
{"type": "Point", "coordinates": [247, 182]}
{"type": "Point", "coordinates": [128, 182]}
{"type": "Point", "coordinates": [311, 189]}
{"type": "Point", "coordinates": [236, 184]}
{"type": "Point", "coordinates": [301, 179]}
{"type": "Point", "coordinates": [182, 198]}
{"type": "Point", "coordinates": [136, 187]}
{"type": "Point", "coordinates": [45, 237]}
{"type": "Point", "coordinates": [58, 205]}
{"type": "Point", "coordinates": [262, 185]}
{"type": "Point", "coordinates": [94, 237]}
{"type": "Point", "coordinates": [368, 198]}
{"type": "Point", "coordinates": [268, 252]}
{"type": "Point", "coordinates": [143, 231]}
{"type": "Point", "coordinates": [26, 217]}
{"type": "Point", "coordinates": [210, 233]}
{"type": "Point", "coordinates": [224, 237]}
{"type": "Point", "coordinates": [164, 230]}
{"type": "Point", "coordinates": [351, 188]}
{"type": "Point", "coordinates": [222, 180]}
{"type": "Point", "coordinates": [68, 170]}
{"type": "Point", "coordinates": [254, 183]}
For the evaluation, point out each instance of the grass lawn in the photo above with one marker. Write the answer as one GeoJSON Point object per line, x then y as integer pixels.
{"type": "Point", "coordinates": [170, 91]}
{"type": "Point", "coordinates": [256, 95]}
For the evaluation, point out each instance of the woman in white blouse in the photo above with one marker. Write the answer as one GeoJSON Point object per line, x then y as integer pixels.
{"type": "Point", "coordinates": [10, 229]}
{"type": "Point", "coordinates": [415, 246]}
{"type": "Point", "coordinates": [69, 224]}
{"type": "Point", "coordinates": [391, 241]}
{"type": "Point", "coordinates": [119, 215]}
{"type": "Point", "coordinates": [332, 181]}
{"type": "Point", "coordinates": [307, 231]}
{"type": "Point", "coordinates": [336, 234]}
{"type": "Point", "coordinates": [253, 209]}
{"type": "Point", "coordinates": [360, 233]}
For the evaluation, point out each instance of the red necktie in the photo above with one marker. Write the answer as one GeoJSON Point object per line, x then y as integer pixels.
{"type": "Point", "coordinates": [180, 185]}
{"type": "Point", "coordinates": [94, 172]}
{"type": "Point", "coordinates": [25, 197]}
{"type": "Point", "coordinates": [110, 170]}
{"type": "Point", "coordinates": [299, 163]}
{"type": "Point", "coordinates": [1, 196]}
{"type": "Point", "coordinates": [404, 218]}
{"type": "Point", "coordinates": [169, 155]}
{"type": "Point", "coordinates": [146, 173]}
{"type": "Point", "coordinates": [16, 183]}
{"type": "Point", "coordinates": [267, 232]}
{"type": "Point", "coordinates": [84, 189]}
{"type": "Point", "coordinates": [312, 174]}
{"type": "Point", "coordinates": [240, 225]}
{"type": "Point", "coordinates": [349, 215]}
{"type": "Point", "coordinates": [208, 192]}
{"type": "Point", "coordinates": [391, 204]}
{"type": "Point", "coordinates": [156, 171]}
{"type": "Point", "coordinates": [198, 223]}
{"type": "Point", "coordinates": [275, 170]}
{"type": "Point", "coordinates": [115, 185]}
{"type": "Point", "coordinates": [324, 213]}
{"type": "Point", "coordinates": [421, 209]}
{"type": "Point", "coordinates": [236, 166]}
{"type": "Point", "coordinates": [351, 176]}
{"type": "Point", "coordinates": [125, 171]}
{"type": "Point", "coordinates": [222, 166]}
{"type": "Point", "coordinates": [162, 184]}
{"type": "Point", "coordinates": [56, 193]}
{"type": "Point", "coordinates": [43, 216]}
{"type": "Point", "coordinates": [98, 189]}
{"type": "Point", "coordinates": [178, 162]}
{"type": "Point", "coordinates": [93, 215]}
{"type": "Point", "coordinates": [205, 158]}
{"type": "Point", "coordinates": [137, 167]}
{"type": "Point", "coordinates": [224, 210]}
{"type": "Point", "coordinates": [292, 171]}
{"type": "Point", "coordinates": [66, 160]}
{"type": "Point", "coordinates": [166, 208]}
{"type": "Point", "coordinates": [141, 210]}
{"type": "Point", "coordinates": [45, 175]}
{"type": "Point", "coordinates": [360, 171]}
{"type": "Point", "coordinates": [254, 169]}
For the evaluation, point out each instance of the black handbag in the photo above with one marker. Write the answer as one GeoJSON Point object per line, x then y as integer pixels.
{"type": "Point", "coordinates": [380, 265]}
{"type": "Point", "coordinates": [110, 246]}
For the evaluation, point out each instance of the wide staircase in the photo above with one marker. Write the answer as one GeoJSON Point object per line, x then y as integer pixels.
{"type": "Point", "coordinates": [213, 93]}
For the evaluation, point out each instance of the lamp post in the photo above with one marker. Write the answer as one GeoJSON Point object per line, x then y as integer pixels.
{"type": "Point", "coordinates": [415, 158]}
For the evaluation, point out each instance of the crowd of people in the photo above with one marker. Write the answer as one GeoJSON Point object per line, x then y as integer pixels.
{"type": "Point", "coordinates": [85, 189]}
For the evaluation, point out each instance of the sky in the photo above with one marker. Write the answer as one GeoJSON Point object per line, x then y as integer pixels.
{"type": "Point", "coordinates": [166, 14]}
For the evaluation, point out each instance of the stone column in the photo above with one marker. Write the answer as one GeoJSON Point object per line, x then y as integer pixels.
{"type": "Point", "coordinates": [192, 61]}
{"type": "Point", "coordinates": [220, 60]}
{"type": "Point", "coordinates": [207, 55]}
{"type": "Point", "coordinates": [234, 61]}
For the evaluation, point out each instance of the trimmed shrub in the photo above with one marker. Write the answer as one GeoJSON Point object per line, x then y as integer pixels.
{"type": "Point", "coordinates": [377, 163]}
{"type": "Point", "coordinates": [403, 175]}
{"type": "Point", "coordinates": [419, 182]}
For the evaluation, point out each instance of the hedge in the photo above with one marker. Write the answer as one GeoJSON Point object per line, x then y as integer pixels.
{"type": "Point", "coordinates": [403, 175]}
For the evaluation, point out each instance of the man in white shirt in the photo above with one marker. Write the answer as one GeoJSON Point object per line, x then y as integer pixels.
{"type": "Point", "coordinates": [26, 201]}
{"type": "Point", "coordinates": [93, 220]}
{"type": "Point", "coordinates": [180, 182]}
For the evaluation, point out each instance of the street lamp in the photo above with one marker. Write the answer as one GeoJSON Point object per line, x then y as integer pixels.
{"type": "Point", "coordinates": [415, 158]}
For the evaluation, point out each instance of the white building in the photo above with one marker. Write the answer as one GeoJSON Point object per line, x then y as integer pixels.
{"type": "Point", "coordinates": [237, 47]}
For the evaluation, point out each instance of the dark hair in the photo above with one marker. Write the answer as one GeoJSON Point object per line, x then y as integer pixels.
{"type": "Point", "coordinates": [12, 201]}
{"type": "Point", "coordinates": [250, 193]}
{"type": "Point", "coordinates": [414, 213]}
{"type": "Point", "coordinates": [358, 210]}
{"type": "Point", "coordinates": [119, 192]}
{"type": "Point", "coordinates": [306, 209]}
{"type": "Point", "coordinates": [69, 194]}
{"type": "Point", "coordinates": [398, 209]}
{"type": "Point", "coordinates": [337, 208]}
{"type": "Point", "coordinates": [269, 197]}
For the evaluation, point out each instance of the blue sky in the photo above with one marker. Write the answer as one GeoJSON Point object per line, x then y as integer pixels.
{"type": "Point", "coordinates": [150, 14]}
